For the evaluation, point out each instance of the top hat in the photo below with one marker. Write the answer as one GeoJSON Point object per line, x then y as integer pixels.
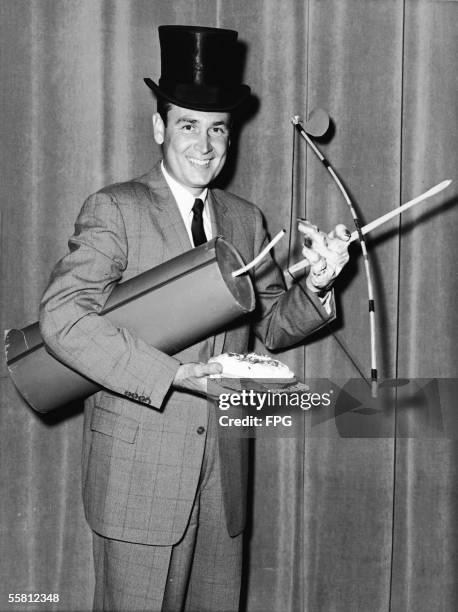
{"type": "Point", "coordinates": [200, 68]}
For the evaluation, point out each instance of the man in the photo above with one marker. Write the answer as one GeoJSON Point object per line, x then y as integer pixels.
{"type": "Point", "coordinates": [163, 495]}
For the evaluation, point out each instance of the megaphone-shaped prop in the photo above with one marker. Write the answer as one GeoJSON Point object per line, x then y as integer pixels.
{"type": "Point", "coordinates": [171, 306]}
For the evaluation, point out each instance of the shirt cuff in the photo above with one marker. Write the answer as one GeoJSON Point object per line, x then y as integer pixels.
{"type": "Point", "coordinates": [326, 301]}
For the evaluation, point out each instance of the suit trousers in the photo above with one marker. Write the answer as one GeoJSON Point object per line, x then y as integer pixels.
{"type": "Point", "coordinates": [201, 573]}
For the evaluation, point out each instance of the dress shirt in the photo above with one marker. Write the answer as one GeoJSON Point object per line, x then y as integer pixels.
{"type": "Point", "coordinates": [185, 202]}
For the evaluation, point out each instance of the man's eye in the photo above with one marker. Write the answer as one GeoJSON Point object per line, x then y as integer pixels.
{"type": "Point", "coordinates": [219, 130]}
{"type": "Point", "coordinates": [188, 127]}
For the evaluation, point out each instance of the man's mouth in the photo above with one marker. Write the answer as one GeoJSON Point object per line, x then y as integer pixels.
{"type": "Point", "coordinates": [199, 163]}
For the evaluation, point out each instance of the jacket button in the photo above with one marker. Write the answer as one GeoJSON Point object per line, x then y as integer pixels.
{"type": "Point", "coordinates": [200, 429]}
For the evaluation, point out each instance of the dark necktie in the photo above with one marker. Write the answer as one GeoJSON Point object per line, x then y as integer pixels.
{"type": "Point", "coordinates": [197, 225]}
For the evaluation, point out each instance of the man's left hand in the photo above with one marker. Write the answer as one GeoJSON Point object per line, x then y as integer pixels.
{"type": "Point", "coordinates": [327, 254]}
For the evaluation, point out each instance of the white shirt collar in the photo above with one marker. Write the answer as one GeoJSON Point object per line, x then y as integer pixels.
{"type": "Point", "coordinates": [184, 199]}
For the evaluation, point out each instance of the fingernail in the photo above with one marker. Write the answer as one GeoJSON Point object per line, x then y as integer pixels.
{"type": "Point", "coordinates": [307, 242]}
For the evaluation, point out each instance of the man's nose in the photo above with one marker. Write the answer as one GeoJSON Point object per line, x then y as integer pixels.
{"type": "Point", "coordinates": [204, 143]}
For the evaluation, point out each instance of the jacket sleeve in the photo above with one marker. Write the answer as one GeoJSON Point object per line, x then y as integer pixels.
{"type": "Point", "coordinates": [70, 320]}
{"type": "Point", "coordinates": [283, 317]}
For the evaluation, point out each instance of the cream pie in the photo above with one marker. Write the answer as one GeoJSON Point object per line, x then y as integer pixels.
{"type": "Point", "coordinates": [251, 365]}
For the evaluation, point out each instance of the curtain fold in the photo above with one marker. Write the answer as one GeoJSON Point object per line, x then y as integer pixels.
{"type": "Point", "coordinates": [340, 521]}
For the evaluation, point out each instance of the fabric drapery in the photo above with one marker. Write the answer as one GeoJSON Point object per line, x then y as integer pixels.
{"type": "Point", "coordinates": [337, 522]}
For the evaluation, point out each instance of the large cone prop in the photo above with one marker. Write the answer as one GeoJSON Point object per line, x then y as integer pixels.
{"type": "Point", "coordinates": [171, 307]}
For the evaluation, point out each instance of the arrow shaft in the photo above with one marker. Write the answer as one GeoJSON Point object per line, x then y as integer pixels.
{"type": "Point", "coordinates": [398, 211]}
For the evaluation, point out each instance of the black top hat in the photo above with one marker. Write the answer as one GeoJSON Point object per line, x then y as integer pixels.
{"type": "Point", "coordinates": [200, 68]}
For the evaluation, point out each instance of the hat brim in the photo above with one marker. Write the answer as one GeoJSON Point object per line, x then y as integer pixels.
{"type": "Point", "coordinates": [230, 103]}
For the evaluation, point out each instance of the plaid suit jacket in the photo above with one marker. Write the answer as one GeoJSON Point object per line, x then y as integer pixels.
{"type": "Point", "coordinates": [141, 461]}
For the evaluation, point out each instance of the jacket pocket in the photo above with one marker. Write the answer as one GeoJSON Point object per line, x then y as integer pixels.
{"type": "Point", "coordinates": [115, 425]}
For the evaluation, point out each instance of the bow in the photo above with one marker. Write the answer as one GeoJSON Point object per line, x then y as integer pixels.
{"type": "Point", "coordinates": [316, 126]}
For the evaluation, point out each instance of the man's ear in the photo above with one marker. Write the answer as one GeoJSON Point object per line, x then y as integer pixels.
{"type": "Point", "coordinates": [158, 129]}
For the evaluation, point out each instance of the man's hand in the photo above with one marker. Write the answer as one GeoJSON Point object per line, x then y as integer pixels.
{"type": "Point", "coordinates": [327, 254]}
{"type": "Point", "coordinates": [192, 377]}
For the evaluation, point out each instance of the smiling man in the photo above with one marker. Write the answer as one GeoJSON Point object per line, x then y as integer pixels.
{"type": "Point", "coordinates": [194, 145]}
{"type": "Point", "coordinates": [164, 496]}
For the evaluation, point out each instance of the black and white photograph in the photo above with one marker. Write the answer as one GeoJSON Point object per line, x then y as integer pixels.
{"type": "Point", "coordinates": [229, 377]}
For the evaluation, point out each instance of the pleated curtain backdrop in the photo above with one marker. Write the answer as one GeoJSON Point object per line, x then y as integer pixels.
{"type": "Point", "coordinates": [337, 523]}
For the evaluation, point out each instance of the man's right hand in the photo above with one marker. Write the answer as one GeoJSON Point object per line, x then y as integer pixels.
{"type": "Point", "coordinates": [192, 377]}
{"type": "Point", "coordinates": [327, 254]}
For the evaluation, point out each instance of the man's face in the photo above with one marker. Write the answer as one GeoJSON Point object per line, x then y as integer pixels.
{"type": "Point", "coordinates": [194, 145]}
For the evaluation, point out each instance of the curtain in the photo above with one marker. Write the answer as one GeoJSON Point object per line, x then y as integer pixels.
{"type": "Point", "coordinates": [342, 517]}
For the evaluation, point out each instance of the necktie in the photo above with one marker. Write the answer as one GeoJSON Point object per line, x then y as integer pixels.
{"type": "Point", "coordinates": [197, 225]}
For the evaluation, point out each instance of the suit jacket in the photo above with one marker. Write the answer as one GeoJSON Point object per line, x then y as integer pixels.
{"type": "Point", "coordinates": [141, 461]}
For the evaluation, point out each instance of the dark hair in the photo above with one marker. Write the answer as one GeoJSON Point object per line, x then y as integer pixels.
{"type": "Point", "coordinates": [163, 107]}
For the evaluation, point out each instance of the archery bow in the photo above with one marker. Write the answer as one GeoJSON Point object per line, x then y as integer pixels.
{"type": "Point", "coordinates": [314, 130]}
{"type": "Point", "coordinates": [317, 126]}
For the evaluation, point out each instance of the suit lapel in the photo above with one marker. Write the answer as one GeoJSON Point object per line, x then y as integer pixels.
{"type": "Point", "coordinates": [220, 217]}
{"type": "Point", "coordinates": [221, 226]}
{"type": "Point", "coordinates": [176, 239]}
